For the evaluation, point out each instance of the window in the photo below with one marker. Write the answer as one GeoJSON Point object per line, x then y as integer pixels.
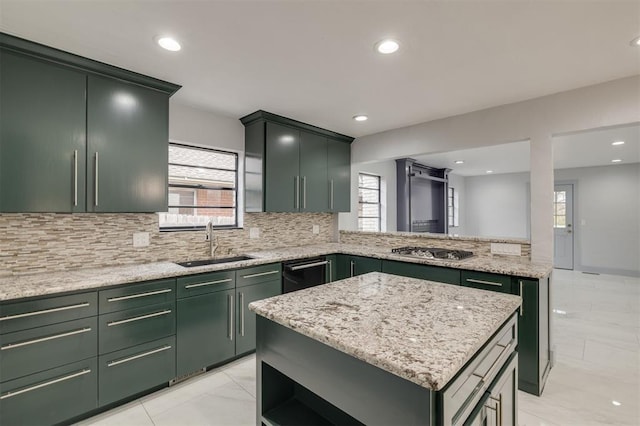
{"type": "Point", "coordinates": [560, 209]}
{"type": "Point", "coordinates": [368, 202]}
{"type": "Point", "coordinates": [453, 207]}
{"type": "Point", "coordinates": [202, 188]}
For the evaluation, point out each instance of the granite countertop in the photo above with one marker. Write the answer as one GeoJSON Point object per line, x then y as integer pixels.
{"type": "Point", "coordinates": [432, 236]}
{"type": "Point", "coordinates": [419, 330]}
{"type": "Point", "coordinates": [16, 287]}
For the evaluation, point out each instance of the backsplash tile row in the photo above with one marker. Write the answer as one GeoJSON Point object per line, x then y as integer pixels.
{"type": "Point", "coordinates": [46, 242]}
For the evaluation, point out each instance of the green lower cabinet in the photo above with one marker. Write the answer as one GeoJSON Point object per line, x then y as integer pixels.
{"type": "Point", "coordinates": [51, 396]}
{"type": "Point", "coordinates": [246, 320]}
{"type": "Point", "coordinates": [204, 331]}
{"type": "Point", "coordinates": [133, 370]}
{"type": "Point", "coordinates": [350, 266]}
{"type": "Point", "coordinates": [424, 272]}
{"type": "Point", "coordinates": [332, 268]}
{"type": "Point", "coordinates": [487, 281]}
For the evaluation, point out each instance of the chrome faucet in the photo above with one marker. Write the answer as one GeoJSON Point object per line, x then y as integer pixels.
{"type": "Point", "coordinates": [213, 240]}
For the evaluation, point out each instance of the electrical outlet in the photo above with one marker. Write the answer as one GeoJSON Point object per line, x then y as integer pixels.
{"type": "Point", "coordinates": [254, 233]}
{"type": "Point", "coordinates": [316, 229]}
{"type": "Point", "coordinates": [140, 239]}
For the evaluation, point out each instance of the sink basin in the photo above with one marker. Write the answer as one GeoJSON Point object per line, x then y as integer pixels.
{"type": "Point", "coordinates": [203, 262]}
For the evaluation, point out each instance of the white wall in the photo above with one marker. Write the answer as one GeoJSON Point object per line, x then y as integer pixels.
{"type": "Point", "coordinates": [497, 205]}
{"type": "Point", "coordinates": [606, 217]}
{"type": "Point", "coordinates": [607, 104]}
{"type": "Point", "coordinates": [387, 172]}
{"type": "Point", "coordinates": [198, 127]}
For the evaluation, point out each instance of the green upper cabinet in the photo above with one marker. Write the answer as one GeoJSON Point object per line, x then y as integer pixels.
{"type": "Point", "coordinates": [339, 175]}
{"type": "Point", "coordinates": [128, 147]}
{"type": "Point", "coordinates": [65, 119]}
{"type": "Point", "coordinates": [42, 136]}
{"type": "Point", "coordinates": [294, 167]}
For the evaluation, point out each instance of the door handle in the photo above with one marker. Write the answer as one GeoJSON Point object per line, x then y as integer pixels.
{"type": "Point", "coordinates": [75, 178]}
{"type": "Point", "coordinates": [96, 182]}
{"type": "Point", "coordinates": [297, 192]}
{"type": "Point", "coordinates": [331, 192]}
{"type": "Point", "coordinates": [304, 192]}
{"type": "Point", "coordinates": [353, 268]}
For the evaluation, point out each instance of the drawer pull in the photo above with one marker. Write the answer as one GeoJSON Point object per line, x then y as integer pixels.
{"type": "Point", "coordinates": [471, 280]}
{"type": "Point", "coordinates": [308, 265]}
{"type": "Point", "coordinates": [521, 296]}
{"type": "Point", "coordinates": [230, 322]}
{"type": "Point", "coordinates": [124, 321]}
{"type": "Point", "coordinates": [142, 355]}
{"type": "Point", "coordinates": [207, 283]}
{"type": "Point", "coordinates": [135, 296]}
{"type": "Point", "coordinates": [41, 385]}
{"type": "Point", "coordinates": [46, 311]}
{"type": "Point", "coordinates": [497, 362]}
{"type": "Point", "coordinates": [260, 274]}
{"type": "Point", "coordinates": [241, 308]}
{"type": "Point", "coordinates": [44, 339]}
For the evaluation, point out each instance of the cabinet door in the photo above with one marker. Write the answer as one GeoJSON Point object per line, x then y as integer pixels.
{"type": "Point", "coordinates": [339, 175]}
{"type": "Point", "coordinates": [204, 331]}
{"type": "Point", "coordinates": [332, 268]}
{"type": "Point", "coordinates": [502, 404]}
{"type": "Point", "coordinates": [424, 272]}
{"type": "Point", "coordinates": [282, 170]}
{"type": "Point", "coordinates": [342, 266]}
{"type": "Point", "coordinates": [486, 281]}
{"type": "Point", "coordinates": [528, 336]}
{"type": "Point", "coordinates": [362, 265]}
{"type": "Point", "coordinates": [314, 191]}
{"type": "Point", "coordinates": [42, 136]}
{"type": "Point", "coordinates": [128, 147]}
{"type": "Point", "coordinates": [246, 320]}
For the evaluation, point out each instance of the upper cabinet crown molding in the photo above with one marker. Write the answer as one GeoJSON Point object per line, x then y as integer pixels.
{"type": "Point", "coordinates": [275, 118]}
{"type": "Point", "coordinates": [51, 54]}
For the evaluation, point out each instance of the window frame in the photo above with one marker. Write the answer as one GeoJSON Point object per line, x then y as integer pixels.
{"type": "Point", "coordinates": [235, 225]}
{"type": "Point", "coordinates": [453, 208]}
{"type": "Point", "coordinates": [379, 203]}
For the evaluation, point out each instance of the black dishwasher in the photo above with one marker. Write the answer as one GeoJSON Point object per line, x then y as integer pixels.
{"type": "Point", "coordinates": [304, 273]}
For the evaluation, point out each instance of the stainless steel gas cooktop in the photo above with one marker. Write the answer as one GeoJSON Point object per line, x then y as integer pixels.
{"type": "Point", "coordinates": [433, 253]}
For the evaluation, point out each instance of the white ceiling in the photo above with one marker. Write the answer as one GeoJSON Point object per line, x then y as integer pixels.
{"type": "Point", "coordinates": [581, 149]}
{"type": "Point", "coordinates": [314, 61]}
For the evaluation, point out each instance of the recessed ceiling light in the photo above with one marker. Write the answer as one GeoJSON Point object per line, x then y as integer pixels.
{"type": "Point", "coordinates": [616, 160]}
{"type": "Point", "coordinates": [489, 171]}
{"type": "Point", "coordinates": [616, 143]}
{"type": "Point", "coordinates": [387, 46]}
{"type": "Point", "coordinates": [635, 42]}
{"type": "Point", "coordinates": [459, 161]}
{"type": "Point", "coordinates": [169, 44]}
{"type": "Point", "coordinates": [616, 403]}
{"type": "Point", "coordinates": [360, 117]}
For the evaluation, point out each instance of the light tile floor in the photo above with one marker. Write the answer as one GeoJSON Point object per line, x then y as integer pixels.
{"type": "Point", "coordinates": [596, 328]}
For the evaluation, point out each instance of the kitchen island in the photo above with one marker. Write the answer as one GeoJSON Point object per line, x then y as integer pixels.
{"type": "Point", "coordinates": [383, 349]}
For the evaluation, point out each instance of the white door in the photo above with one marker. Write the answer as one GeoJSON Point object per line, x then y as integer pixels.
{"type": "Point", "coordinates": [563, 227]}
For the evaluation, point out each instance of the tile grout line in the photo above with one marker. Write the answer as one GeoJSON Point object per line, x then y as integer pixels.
{"type": "Point", "coordinates": [147, 413]}
{"type": "Point", "coordinates": [240, 386]}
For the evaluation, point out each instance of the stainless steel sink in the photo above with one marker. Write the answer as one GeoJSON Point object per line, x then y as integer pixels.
{"type": "Point", "coordinates": [203, 262]}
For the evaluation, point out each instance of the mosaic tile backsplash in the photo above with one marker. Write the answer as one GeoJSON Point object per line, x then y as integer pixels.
{"type": "Point", "coordinates": [44, 242]}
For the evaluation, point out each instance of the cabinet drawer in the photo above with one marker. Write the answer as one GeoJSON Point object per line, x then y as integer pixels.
{"type": "Point", "coordinates": [29, 351]}
{"type": "Point", "coordinates": [205, 283]}
{"type": "Point", "coordinates": [132, 327]}
{"type": "Point", "coordinates": [35, 313]}
{"type": "Point", "coordinates": [424, 272]}
{"type": "Point", "coordinates": [136, 295]}
{"type": "Point", "coordinates": [486, 281]}
{"type": "Point", "coordinates": [134, 370]}
{"type": "Point", "coordinates": [258, 274]}
{"type": "Point", "coordinates": [51, 396]}
{"type": "Point", "coordinates": [462, 394]}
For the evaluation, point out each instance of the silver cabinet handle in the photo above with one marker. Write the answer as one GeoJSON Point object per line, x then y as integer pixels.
{"type": "Point", "coordinates": [297, 194]}
{"type": "Point", "coordinates": [352, 268]}
{"type": "Point", "coordinates": [45, 311]}
{"type": "Point", "coordinates": [208, 283]}
{"type": "Point", "coordinates": [241, 307]}
{"type": "Point", "coordinates": [304, 192]}
{"type": "Point", "coordinates": [44, 339]}
{"type": "Point", "coordinates": [142, 355]}
{"type": "Point", "coordinates": [75, 177]}
{"type": "Point", "coordinates": [260, 274]}
{"type": "Point", "coordinates": [308, 265]}
{"type": "Point", "coordinates": [49, 383]}
{"type": "Point", "coordinates": [496, 363]}
{"type": "Point", "coordinates": [522, 297]}
{"type": "Point", "coordinates": [230, 307]}
{"type": "Point", "coordinates": [141, 317]}
{"type": "Point", "coordinates": [96, 182]}
{"type": "Point", "coordinates": [331, 195]}
{"type": "Point", "coordinates": [330, 271]}
{"type": "Point", "coordinates": [471, 280]}
{"type": "Point", "coordinates": [135, 296]}
{"type": "Point", "coordinates": [498, 409]}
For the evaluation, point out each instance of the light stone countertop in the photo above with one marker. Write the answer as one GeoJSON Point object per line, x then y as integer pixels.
{"type": "Point", "coordinates": [419, 330]}
{"type": "Point", "coordinates": [22, 286]}
{"type": "Point", "coordinates": [433, 236]}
